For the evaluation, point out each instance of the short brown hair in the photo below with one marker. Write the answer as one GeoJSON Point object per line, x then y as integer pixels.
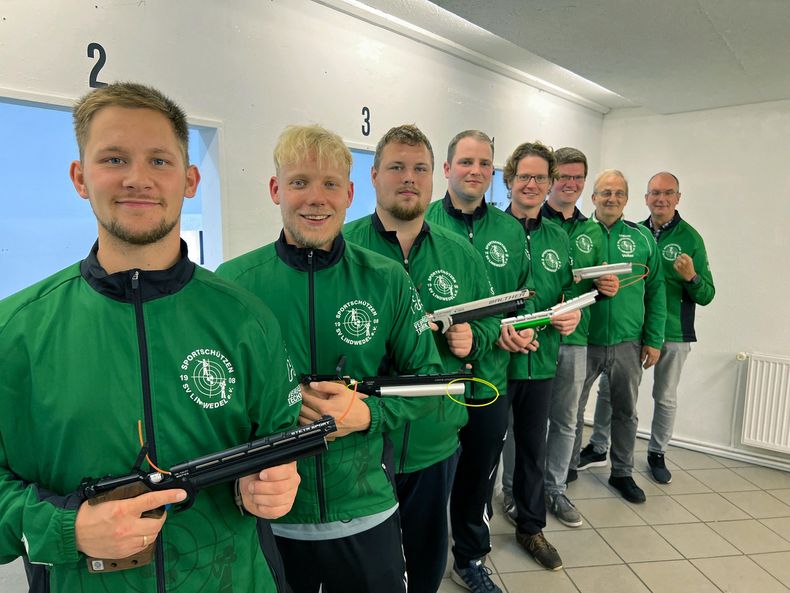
{"type": "Point", "coordinates": [567, 155]}
{"type": "Point", "coordinates": [476, 134]}
{"type": "Point", "coordinates": [297, 143]}
{"type": "Point", "coordinates": [406, 134]}
{"type": "Point", "coordinates": [526, 149]}
{"type": "Point", "coordinates": [130, 95]}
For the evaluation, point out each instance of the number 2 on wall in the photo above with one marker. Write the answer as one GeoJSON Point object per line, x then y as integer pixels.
{"type": "Point", "coordinates": [93, 81]}
{"type": "Point", "coordinates": [366, 121]}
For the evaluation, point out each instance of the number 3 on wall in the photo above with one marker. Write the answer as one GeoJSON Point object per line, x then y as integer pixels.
{"type": "Point", "coordinates": [93, 79]}
{"type": "Point", "coordinates": [366, 121]}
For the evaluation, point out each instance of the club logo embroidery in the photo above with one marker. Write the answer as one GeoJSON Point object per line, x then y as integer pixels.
{"type": "Point", "coordinates": [295, 395]}
{"type": "Point", "coordinates": [584, 243]}
{"type": "Point", "coordinates": [442, 285]}
{"type": "Point", "coordinates": [207, 377]}
{"type": "Point", "coordinates": [671, 251]}
{"type": "Point", "coordinates": [550, 260]}
{"type": "Point", "coordinates": [496, 254]}
{"type": "Point", "coordinates": [626, 246]}
{"type": "Point", "coordinates": [356, 322]}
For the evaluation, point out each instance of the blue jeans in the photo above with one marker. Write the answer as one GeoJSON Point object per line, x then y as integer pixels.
{"type": "Point", "coordinates": [566, 390]}
{"type": "Point", "coordinates": [666, 377]}
{"type": "Point", "coordinates": [620, 369]}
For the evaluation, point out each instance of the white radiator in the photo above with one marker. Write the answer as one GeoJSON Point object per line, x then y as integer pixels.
{"type": "Point", "coordinates": [766, 412]}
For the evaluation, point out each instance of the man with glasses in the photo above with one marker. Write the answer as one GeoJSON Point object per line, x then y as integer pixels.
{"type": "Point", "coordinates": [528, 174]}
{"type": "Point", "coordinates": [587, 249]}
{"type": "Point", "coordinates": [688, 283]}
{"type": "Point", "coordinates": [626, 331]}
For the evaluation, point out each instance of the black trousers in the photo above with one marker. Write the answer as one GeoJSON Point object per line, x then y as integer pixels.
{"type": "Point", "coordinates": [423, 499]}
{"type": "Point", "coordinates": [531, 401]}
{"type": "Point", "coordinates": [368, 562]}
{"type": "Point", "coordinates": [481, 446]}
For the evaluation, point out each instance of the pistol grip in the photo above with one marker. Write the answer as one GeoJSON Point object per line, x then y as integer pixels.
{"type": "Point", "coordinates": [141, 558]}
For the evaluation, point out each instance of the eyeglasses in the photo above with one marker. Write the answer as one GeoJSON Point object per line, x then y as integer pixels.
{"type": "Point", "coordinates": [655, 193]}
{"type": "Point", "coordinates": [608, 193]}
{"type": "Point", "coordinates": [539, 179]}
{"type": "Point", "coordinates": [567, 178]}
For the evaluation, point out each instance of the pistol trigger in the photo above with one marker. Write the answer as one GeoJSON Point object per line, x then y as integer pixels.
{"type": "Point", "coordinates": [189, 500]}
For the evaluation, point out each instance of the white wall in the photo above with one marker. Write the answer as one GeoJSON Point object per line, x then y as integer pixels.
{"type": "Point", "coordinates": [732, 166]}
{"type": "Point", "coordinates": [257, 66]}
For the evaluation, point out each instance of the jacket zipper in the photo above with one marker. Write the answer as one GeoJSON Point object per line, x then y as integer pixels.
{"type": "Point", "coordinates": [529, 354]}
{"type": "Point", "coordinates": [319, 469]}
{"type": "Point", "coordinates": [148, 417]}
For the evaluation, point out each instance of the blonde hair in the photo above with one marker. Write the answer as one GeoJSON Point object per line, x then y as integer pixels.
{"type": "Point", "coordinates": [296, 143]}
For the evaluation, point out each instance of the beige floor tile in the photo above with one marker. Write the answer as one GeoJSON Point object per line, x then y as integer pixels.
{"type": "Point", "coordinates": [780, 526]}
{"type": "Point", "coordinates": [765, 477]}
{"type": "Point", "coordinates": [782, 494]}
{"type": "Point", "coordinates": [758, 504]}
{"type": "Point", "coordinates": [640, 446]}
{"type": "Point", "coordinates": [696, 540]}
{"type": "Point", "coordinates": [673, 576]}
{"type": "Point", "coordinates": [507, 556]}
{"type": "Point", "coordinates": [587, 486]}
{"type": "Point", "coordinates": [751, 537]}
{"type": "Point", "coordinates": [499, 525]}
{"type": "Point", "coordinates": [638, 544]}
{"type": "Point", "coordinates": [738, 575]}
{"type": "Point", "coordinates": [608, 512]}
{"type": "Point", "coordinates": [683, 483]}
{"type": "Point", "coordinates": [662, 510]}
{"type": "Point", "coordinates": [722, 480]}
{"type": "Point", "coordinates": [583, 547]}
{"type": "Point", "coordinates": [731, 462]}
{"type": "Point", "coordinates": [777, 564]}
{"type": "Point", "coordinates": [710, 507]}
{"type": "Point", "coordinates": [685, 459]}
{"type": "Point", "coordinates": [606, 579]}
{"type": "Point", "coordinates": [544, 581]}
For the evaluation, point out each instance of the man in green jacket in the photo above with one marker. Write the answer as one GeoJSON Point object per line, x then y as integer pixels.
{"type": "Point", "coordinates": [626, 332]}
{"type": "Point", "coordinates": [529, 173]}
{"type": "Point", "coordinates": [341, 307]}
{"type": "Point", "coordinates": [137, 333]}
{"type": "Point", "coordinates": [447, 271]}
{"type": "Point", "coordinates": [586, 245]}
{"type": "Point", "coordinates": [689, 283]}
{"type": "Point", "coordinates": [500, 241]}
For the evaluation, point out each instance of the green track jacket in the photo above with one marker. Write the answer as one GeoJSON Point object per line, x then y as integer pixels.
{"type": "Point", "coordinates": [683, 297]}
{"type": "Point", "coordinates": [548, 250]}
{"type": "Point", "coordinates": [446, 271]}
{"type": "Point", "coordinates": [500, 240]}
{"type": "Point", "coordinates": [353, 303]}
{"type": "Point", "coordinates": [85, 355]}
{"type": "Point", "coordinates": [637, 312]}
{"type": "Point", "coordinates": [587, 249]}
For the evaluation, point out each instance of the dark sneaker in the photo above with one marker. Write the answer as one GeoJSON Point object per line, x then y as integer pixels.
{"type": "Point", "coordinates": [572, 476]}
{"type": "Point", "coordinates": [589, 458]}
{"type": "Point", "coordinates": [509, 506]}
{"type": "Point", "coordinates": [476, 577]}
{"type": "Point", "coordinates": [563, 509]}
{"type": "Point", "coordinates": [541, 550]}
{"type": "Point", "coordinates": [626, 486]}
{"type": "Point", "coordinates": [658, 468]}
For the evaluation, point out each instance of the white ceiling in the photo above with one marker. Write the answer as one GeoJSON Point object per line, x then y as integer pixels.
{"type": "Point", "coordinates": [667, 56]}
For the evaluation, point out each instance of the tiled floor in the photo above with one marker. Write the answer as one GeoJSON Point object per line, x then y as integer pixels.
{"type": "Point", "coordinates": [720, 526]}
